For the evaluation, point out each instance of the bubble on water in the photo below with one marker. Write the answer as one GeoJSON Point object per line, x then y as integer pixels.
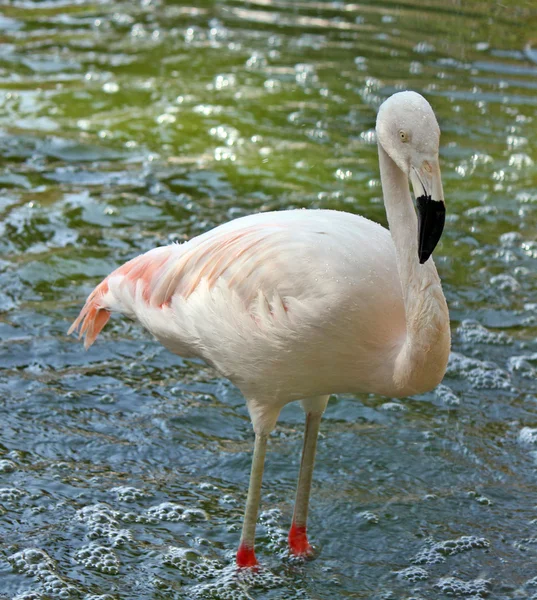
{"type": "Point", "coordinates": [515, 141]}
{"type": "Point", "coordinates": [361, 63]}
{"type": "Point", "coordinates": [111, 87]}
{"type": "Point", "coordinates": [423, 48]}
{"type": "Point", "coordinates": [480, 374]}
{"type": "Point", "coordinates": [36, 563]}
{"type": "Point", "coordinates": [28, 596]}
{"type": "Point", "coordinates": [11, 494]}
{"type": "Point", "coordinates": [452, 586]}
{"type": "Point", "coordinates": [428, 556]}
{"type": "Point", "coordinates": [108, 398]}
{"type": "Point", "coordinates": [446, 395]}
{"type": "Point", "coordinates": [218, 32]}
{"type": "Point", "coordinates": [234, 584]}
{"type": "Point", "coordinates": [207, 109]}
{"type": "Point", "coordinates": [122, 18]}
{"type": "Point", "coordinates": [480, 499]}
{"type": "Point", "coordinates": [468, 167]}
{"type": "Point", "coordinates": [228, 500]}
{"type": "Point", "coordinates": [368, 517]}
{"type": "Point", "coordinates": [178, 555]}
{"type": "Point", "coordinates": [526, 197]}
{"type": "Point", "coordinates": [272, 85]}
{"type": "Point", "coordinates": [343, 174]}
{"type": "Point", "coordinates": [435, 553]}
{"type": "Point", "coordinates": [462, 169]}
{"type": "Point", "coordinates": [138, 30]}
{"type": "Point", "coordinates": [295, 117]}
{"type": "Point", "coordinates": [481, 158]}
{"type": "Point", "coordinates": [225, 133]}
{"type": "Point", "coordinates": [99, 558]}
{"type": "Point", "coordinates": [191, 563]}
{"type": "Point", "coordinates": [505, 283]}
{"type": "Point", "coordinates": [207, 486]}
{"type": "Point", "coordinates": [32, 561]}
{"type": "Point", "coordinates": [483, 211]}
{"type": "Point", "coordinates": [413, 574]}
{"type": "Point", "coordinates": [528, 435]}
{"type": "Point", "coordinates": [305, 74]}
{"type": "Point", "coordinates": [369, 136]}
{"type": "Point", "coordinates": [222, 153]}
{"type": "Point", "coordinates": [530, 248]}
{"type": "Point", "coordinates": [522, 365]}
{"type": "Point", "coordinates": [415, 68]}
{"type": "Point", "coordinates": [194, 515]}
{"type": "Point", "coordinates": [256, 62]}
{"type": "Point", "coordinates": [195, 35]}
{"type": "Point", "coordinates": [102, 522]}
{"type": "Point", "coordinates": [393, 407]}
{"type": "Point", "coordinates": [130, 494]}
{"type": "Point", "coordinates": [132, 517]}
{"type": "Point", "coordinates": [388, 19]}
{"type": "Point", "coordinates": [224, 81]}
{"type": "Point", "coordinates": [510, 239]}
{"type": "Point", "coordinates": [520, 161]}
{"type": "Point", "coordinates": [490, 379]}
{"type": "Point", "coordinates": [166, 119]}
{"type": "Point", "coordinates": [369, 92]}
{"type": "Point", "coordinates": [98, 514]}
{"type": "Point", "coordinates": [277, 535]}
{"type": "Point", "coordinates": [318, 134]}
{"type": "Point", "coordinates": [472, 332]}
{"type": "Point", "coordinates": [7, 466]}
{"type": "Point", "coordinates": [167, 511]}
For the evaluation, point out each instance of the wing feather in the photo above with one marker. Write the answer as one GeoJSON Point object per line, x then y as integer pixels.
{"type": "Point", "coordinates": [222, 255]}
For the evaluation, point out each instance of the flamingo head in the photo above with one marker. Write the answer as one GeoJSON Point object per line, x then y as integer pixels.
{"type": "Point", "coordinates": [408, 131]}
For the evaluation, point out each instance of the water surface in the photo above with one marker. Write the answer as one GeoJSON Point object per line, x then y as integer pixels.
{"type": "Point", "coordinates": [124, 469]}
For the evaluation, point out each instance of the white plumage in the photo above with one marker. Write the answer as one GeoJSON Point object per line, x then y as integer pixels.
{"type": "Point", "coordinates": [304, 303]}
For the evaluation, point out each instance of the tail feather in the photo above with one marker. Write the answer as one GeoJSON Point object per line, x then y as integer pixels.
{"type": "Point", "coordinates": [130, 285]}
{"type": "Point", "coordinates": [93, 317]}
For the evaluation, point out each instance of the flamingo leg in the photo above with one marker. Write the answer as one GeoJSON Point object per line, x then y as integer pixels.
{"type": "Point", "coordinates": [298, 539]}
{"type": "Point", "coordinates": [245, 553]}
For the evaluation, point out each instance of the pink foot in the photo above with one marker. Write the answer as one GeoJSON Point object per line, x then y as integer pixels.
{"type": "Point", "coordinates": [246, 556]}
{"type": "Point", "coordinates": [298, 541]}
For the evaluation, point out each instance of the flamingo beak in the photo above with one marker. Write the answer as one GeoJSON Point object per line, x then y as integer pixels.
{"type": "Point", "coordinates": [427, 184]}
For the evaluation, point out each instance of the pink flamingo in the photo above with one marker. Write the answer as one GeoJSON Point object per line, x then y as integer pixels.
{"type": "Point", "coordinates": [299, 304]}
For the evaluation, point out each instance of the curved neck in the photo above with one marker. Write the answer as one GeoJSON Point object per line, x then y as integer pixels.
{"type": "Point", "coordinates": [403, 223]}
{"type": "Point", "coordinates": [422, 359]}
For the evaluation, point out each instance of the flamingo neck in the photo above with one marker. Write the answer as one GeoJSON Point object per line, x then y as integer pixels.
{"type": "Point", "coordinates": [422, 356]}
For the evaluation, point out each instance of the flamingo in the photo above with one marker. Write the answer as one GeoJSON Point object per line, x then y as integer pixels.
{"type": "Point", "coordinates": [301, 304]}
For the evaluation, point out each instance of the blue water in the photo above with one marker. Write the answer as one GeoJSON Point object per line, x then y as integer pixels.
{"type": "Point", "coordinates": [124, 469]}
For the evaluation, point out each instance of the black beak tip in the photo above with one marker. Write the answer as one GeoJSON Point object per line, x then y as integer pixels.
{"type": "Point", "coordinates": [424, 256]}
{"type": "Point", "coordinates": [431, 218]}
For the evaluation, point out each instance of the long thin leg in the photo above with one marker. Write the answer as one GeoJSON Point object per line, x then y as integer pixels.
{"type": "Point", "coordinates": [245, 553]}
{"type": "Point", "coordinates": [298, 539]}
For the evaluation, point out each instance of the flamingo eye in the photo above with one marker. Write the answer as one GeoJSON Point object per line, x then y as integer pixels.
{"type": "Point", "coordinates": [403, 135]}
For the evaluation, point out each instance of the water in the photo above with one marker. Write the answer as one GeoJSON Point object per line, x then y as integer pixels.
{"type": "Point", "coordinates": [123, 470]}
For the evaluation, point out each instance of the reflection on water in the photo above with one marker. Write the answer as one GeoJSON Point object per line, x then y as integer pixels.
{"type": "Point", "coordinates": [123, 470]}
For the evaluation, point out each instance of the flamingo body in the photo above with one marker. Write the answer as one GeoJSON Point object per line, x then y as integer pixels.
{"type": "Point", "coordinates": [275, 301]}
{"type": "Point", "coordinates": [300, 304]}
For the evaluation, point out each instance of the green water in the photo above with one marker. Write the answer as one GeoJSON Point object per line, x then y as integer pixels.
{"type": "Point", "coordinates": [123, 470]}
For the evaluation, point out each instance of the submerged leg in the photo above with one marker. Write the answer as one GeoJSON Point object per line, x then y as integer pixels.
{"type": "Point", "coordinates": [298, 539]}
{"type": "Point", "coordinates": [245, 553]}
